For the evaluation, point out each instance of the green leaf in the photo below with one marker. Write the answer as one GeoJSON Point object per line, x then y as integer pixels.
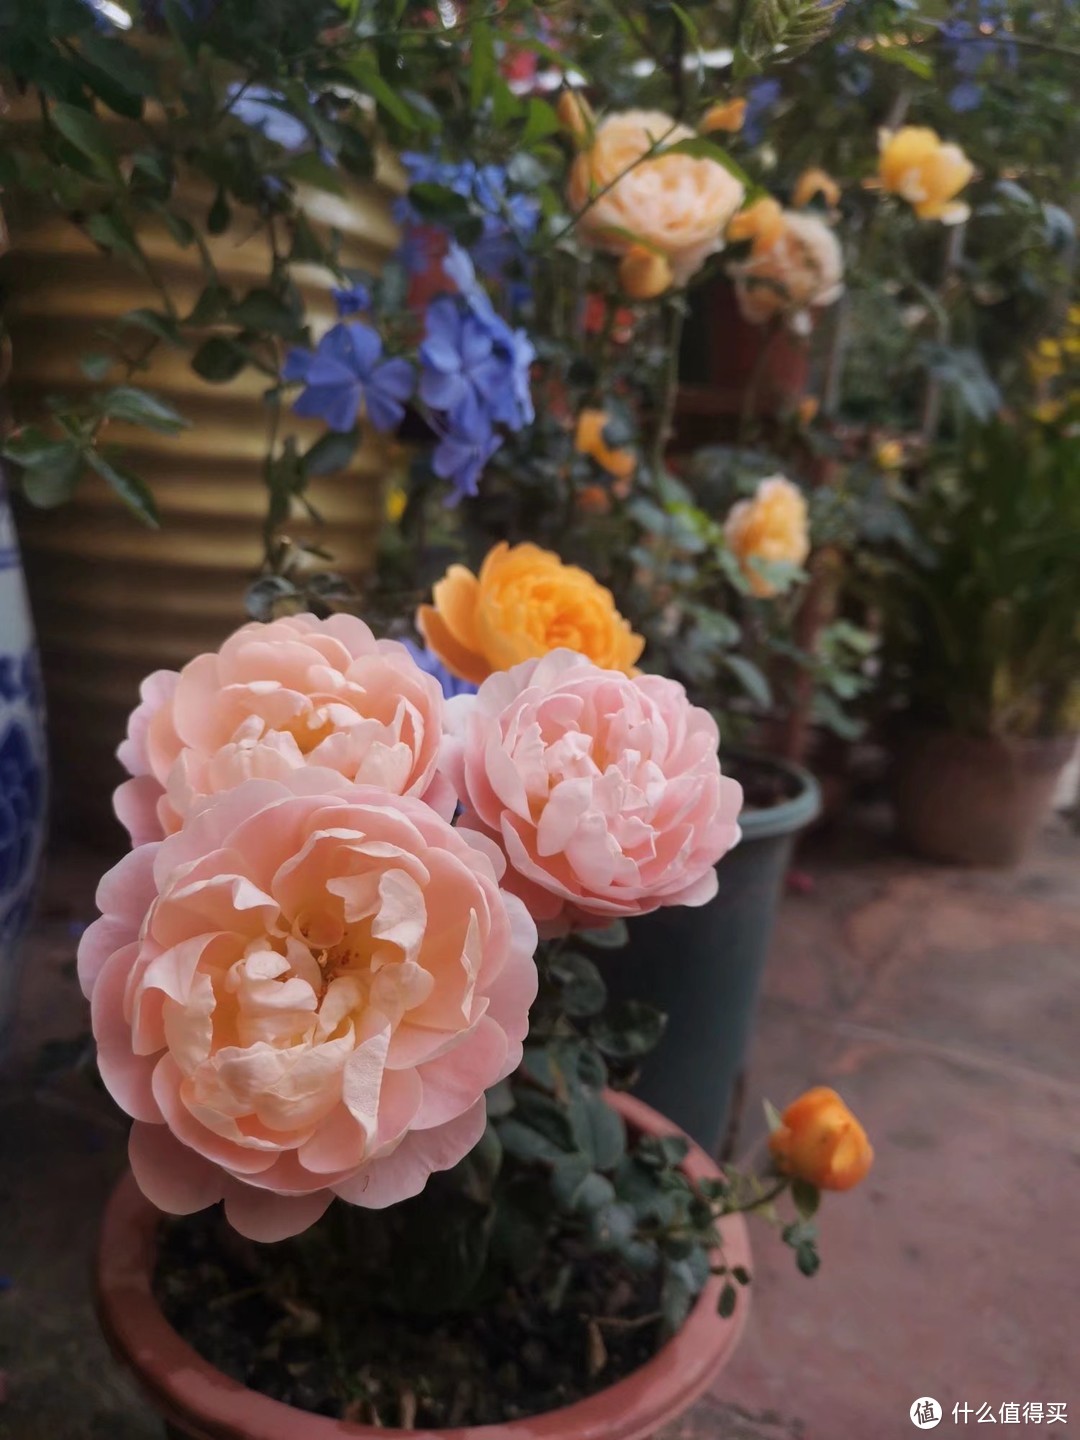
{"type": "Point", "coordinates": [309, 169]}
{"type": "Point", "coordinates": [525, 1143]}
{"type": "Point", "coordinates": [218, 360]}
{"type": "Point", "coordinates": [610, 1226]}
{"type": "Point", "coordinates": [332, 452]}
{"type": "Point", "coordinates": [51, 479]}
{"type": "Point", "coordinates": [139, 407]}
{"type": "Point", "coordinates": [161, 325]}
{"type": "Point", "coordinates": [31, 446]}
{"type": "Point", "coordinates": [85, 131]}
{"type": "Point", "coordinates": [131, 490]}
{"type": "Point", "coordinates": [96, 367]}
{"type": "Point", "coordinates": [750, 678]}
{"type": "Point", "coordinates": [121, 62]}
{"type": "Point", "coordinates": [219, 214]}
{"type": "Point", "coordinates": [629, 1030]}
{"type": "Point", "coordinates": [210, 306]}
{"type": "Point", "coordinates": [112, 232]}
{"type": "Point", "coordinates": [364, 70]}
{"type": "Point", "coordinates": [725, 1306]}
{"type": "Point", "coordinates": [605, 937]}
{"type": "Point", "coordinates": [773, 1118]}
{"type": "Point", "coordinates": [261, 309]}
{"type": "Point", "coordinates": [918, 63]}
{"type": "Point", "coordinates": [582, 987]}
{"type": "Point", "coordinates": [482, 66]}
{"type": "Point", "coordinates": [598, 1130]}
{"type": "Point", "coordinates": [439, 203]}
{"type": "Point", "coordinates": [540, 121]}
{"type": "Point", "coordinates": [806, 1198]}
{"type": "Point", "coordinates": [568, 1174]}
{"type": "Point", "coordinates": [807, 1258]}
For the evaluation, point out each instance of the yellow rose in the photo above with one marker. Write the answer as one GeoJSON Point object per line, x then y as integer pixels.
{"type": "Point", "coordinates": [760, 222]}
{"type": "Point", "coordinates": [674, 205]}
{"type": "Point", "coordinates": [820, 1141]}
{"type": "Point", "coordinates": [643, 274]}
{"type": "Point", "coordinates": [812, 183]}
{"type": "Point", "coordinates": [790, 271]}
{"type": "Point", "coordinates": [619, 461]}
{"type": "Point", "coordinates": [916, 164]}
{"type": "Point", "coordinates": [773, 527]}
{"type": "Point", "coordinates": [889, 455]}
{"type": "Point", "coordinates": [728, 117]}
{"type": "Point", "coordinates": [524, 603]}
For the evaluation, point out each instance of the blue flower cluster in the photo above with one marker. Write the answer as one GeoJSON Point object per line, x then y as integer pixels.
{"type": "Point", "coordinates": [346, 372]}
{"type": "Point", "coordinates": [974, 46]}
{"type": "Point", "coordinates": [474, 374]}
{"type": "Point", "coordinates": [761, 96]}
{"type": "Point", "coordinates": [509, 217]}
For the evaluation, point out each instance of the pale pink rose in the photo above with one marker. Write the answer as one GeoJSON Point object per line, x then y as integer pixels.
{"type": "Point", "coordinates": [604, 790]}
{"type": "Point", "coordinates": [275, 698]}
{"type": "Point", "coordinates": [304, 994]}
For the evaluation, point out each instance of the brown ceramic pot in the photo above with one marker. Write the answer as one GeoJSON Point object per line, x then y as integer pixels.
{"type": "Point", "coordinates": [975, 800]}
{"type": "Point", "coordinates": [200, 1403]}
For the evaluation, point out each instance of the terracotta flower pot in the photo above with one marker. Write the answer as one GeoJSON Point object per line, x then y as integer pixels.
{"type": "Point", "coordinates": [975, 800]}
{"type": "Point", "coordinates": [201, 1403]}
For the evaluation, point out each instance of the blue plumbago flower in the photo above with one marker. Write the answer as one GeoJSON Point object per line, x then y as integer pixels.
{"type": "Point", "coordinates": [297, 364]}
{"type": "Point", "coordinates": [432, 665]}
{"type": "Point", "coordinates": [965, 96]}
{"type": "Point", "coordinates": [463, 452]}
{"type": "Point", "coordinates": [509, 219]}
{"type": "Point", "coordinates": [265, 110]}
{"type": "Point", "coordinates": [351, 299]}
{"type": "Point", "coordinates": [459, 360]}
{"type": "Point", "coordinates": [760, 98]}
{"type": "Point", "coordinates": [346, 372]}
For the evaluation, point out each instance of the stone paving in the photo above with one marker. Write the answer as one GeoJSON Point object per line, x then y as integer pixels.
{"type": "Point", "coordinates": [944, 1005]}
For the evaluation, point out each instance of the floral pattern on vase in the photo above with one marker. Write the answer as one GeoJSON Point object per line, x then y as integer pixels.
{"type": "Point", "coordinates": [23, 783]}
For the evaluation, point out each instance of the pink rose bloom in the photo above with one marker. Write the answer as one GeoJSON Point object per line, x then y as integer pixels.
{"type": "Point", "coordinates": [273, 699]}
{"type": "Point", "coordinates": [304, 994]}
{"type": "Point", "coordinates": [604, 790]}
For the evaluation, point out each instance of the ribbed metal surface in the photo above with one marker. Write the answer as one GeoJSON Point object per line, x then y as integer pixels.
{"type": "Point", "coordinates": [113, 600]}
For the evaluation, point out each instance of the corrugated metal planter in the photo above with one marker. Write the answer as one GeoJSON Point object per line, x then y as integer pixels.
{"type": "Point", "coordinates": [111, 599]}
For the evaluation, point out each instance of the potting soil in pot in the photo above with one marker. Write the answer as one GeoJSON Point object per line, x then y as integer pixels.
{"type": "Point", "coordinates": [302, 1321]}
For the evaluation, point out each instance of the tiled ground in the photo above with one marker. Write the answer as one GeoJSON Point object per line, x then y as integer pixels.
{"type": "Point", "coordinates": [946, 1008]}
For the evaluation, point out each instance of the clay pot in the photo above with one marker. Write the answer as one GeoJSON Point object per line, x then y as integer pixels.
{"type": "Point", "coordinates": [975, 800]}
{"type": "Point", "coordinates": [113, 600]}
{"type": "Point", "coordinates": [200, 1403]}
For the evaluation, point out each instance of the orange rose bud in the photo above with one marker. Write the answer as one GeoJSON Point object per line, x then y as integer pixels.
{"type": "Point", "coordinates": [643, 274]}
{"type": "Point", "coordinates": [820, 1141]}
{"type": "Point", "coordinates": [589, 440]}
{"type": "Point", "coordinates": [812, 183]}
{"type": "Point", "coordinates": [728, 116]}
{"type": "Point", "coordinates": [762, 222]}
{"type": "Point", "coordinates": [575, 114]}
{"type": "Point", "coordinates": [594, 500]}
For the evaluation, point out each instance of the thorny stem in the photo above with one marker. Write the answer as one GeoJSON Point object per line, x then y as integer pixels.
{"type": "Point", "coordinates": [603, 190]}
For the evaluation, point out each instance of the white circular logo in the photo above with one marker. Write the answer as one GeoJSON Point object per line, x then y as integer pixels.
{"type": "Point", "coordinates": [925, 1413]}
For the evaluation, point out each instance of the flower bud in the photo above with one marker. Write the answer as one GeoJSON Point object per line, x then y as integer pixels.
{"type": "Point", "coordinates": [821, 1142]}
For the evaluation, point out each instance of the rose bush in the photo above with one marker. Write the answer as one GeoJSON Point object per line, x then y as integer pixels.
{"type": "Point", "coordinates": [604, 791]}
{"type": "Point", "coordinates": [305, 993]}
{"type": "Point", "coordinates": [276, 697]}
{"type": "Point", "coordinates": [524, 603]}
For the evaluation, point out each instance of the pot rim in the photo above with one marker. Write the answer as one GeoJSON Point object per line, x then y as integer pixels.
{"type": "Point", "coordinates": [790, 815]}
{"type": "Point", "coordinates": [191, 1393]}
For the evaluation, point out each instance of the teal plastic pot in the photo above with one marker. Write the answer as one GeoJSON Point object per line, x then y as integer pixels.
{"type": "Point", "coordinates": [703, 966]}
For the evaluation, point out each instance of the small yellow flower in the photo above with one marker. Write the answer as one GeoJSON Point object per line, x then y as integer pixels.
{"type": "Point", "coordinates": [916, 164]}
{"type": "Point", "coordinates": [395, 503]}
{"type": "Point", "coordinates": [808, 409]}
{"type": "Point", "coordinates": [643, 274]}
{"type": "Point", "coordinates": [728, 116]}
{"type": "Point", "coordinates": [812, 183]}
{"type": "Point", "coordinates": [1048, 411]}
{"type": "Point", "coordinates": [619, 461]}
{"type": "Point", "coordinates": [889, 455]}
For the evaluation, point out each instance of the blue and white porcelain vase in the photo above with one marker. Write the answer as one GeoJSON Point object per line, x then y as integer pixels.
{"type": "Point", "coordinates": [23, 788]}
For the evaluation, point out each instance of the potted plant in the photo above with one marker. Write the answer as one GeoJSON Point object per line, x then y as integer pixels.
{"type": "Point", "coordinates": [405, 1195]}
{"type": "Point", "coordinates": [982, 641]}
